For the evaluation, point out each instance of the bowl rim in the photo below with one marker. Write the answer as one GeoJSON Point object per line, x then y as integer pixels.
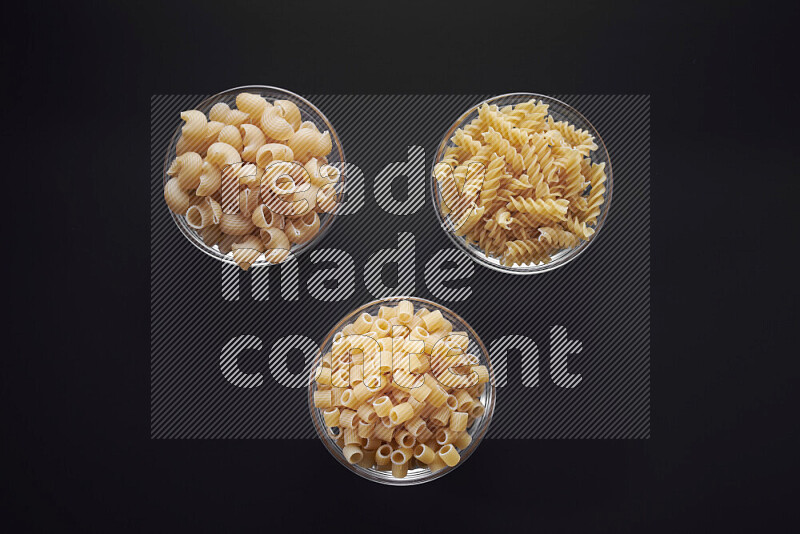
{"type": "Point", "coordinates": [180, 220]}
{"type": "Point", "coordinates": [363, 472]}
{"type": "Point", "coordinates": [476, 255]}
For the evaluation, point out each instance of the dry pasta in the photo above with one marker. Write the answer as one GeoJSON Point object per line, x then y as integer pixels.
{"type": "Point", "coordinates": [521, 186]}
{"type": "Point", "coordinates": [253, 180]}
{"type": "Point", "coordinates": [421, 421]}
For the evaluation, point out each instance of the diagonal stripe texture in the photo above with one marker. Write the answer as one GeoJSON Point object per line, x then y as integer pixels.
{"type": "Point", "coordinates": [230, 351]}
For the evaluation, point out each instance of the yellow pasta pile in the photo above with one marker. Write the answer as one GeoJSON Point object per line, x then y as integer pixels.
{"type": "Point", "coordinates": [399, 390]}
{"type": "Point", "coordinates": [519, 185]}
{"type": "Point", "coordinates": [252, 180]}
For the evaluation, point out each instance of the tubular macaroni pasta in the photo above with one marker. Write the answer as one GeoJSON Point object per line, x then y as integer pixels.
{"type": "Point", "coordinates": [398, 420]}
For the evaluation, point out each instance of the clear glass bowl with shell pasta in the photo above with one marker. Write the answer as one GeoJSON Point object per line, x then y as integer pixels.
{"type": "Point", "coordinates": [190, 222]}
{"type": "Point", "coordinates": [391, 397]}
{"type": "Point", "coordinates": [522, 182]}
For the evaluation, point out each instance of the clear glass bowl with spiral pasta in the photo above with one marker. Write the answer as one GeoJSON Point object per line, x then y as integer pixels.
{"type": "Point", "coordinates": [419, 441]}
{"type": "Point", "coordinates": [522, 182]}
{"type": "Point", "coordinates": [308, 114]}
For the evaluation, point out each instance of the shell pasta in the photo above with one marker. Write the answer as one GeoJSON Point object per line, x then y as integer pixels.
{"type": "Point", "coordinates": [519, 185]}
{"type": "Point", "coordinates": [254, 180]}
{"type": "Point", "coordinates": [402, 384]}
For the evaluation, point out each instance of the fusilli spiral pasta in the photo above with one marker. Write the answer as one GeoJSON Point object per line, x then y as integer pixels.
{"type": "Point", "coordinates": [541, 193]}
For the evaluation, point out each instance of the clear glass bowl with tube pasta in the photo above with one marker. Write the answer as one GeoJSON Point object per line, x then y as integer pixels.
{"type": "Point", "coordinates": [309, 112]}
{"type": "Point", "coordinates": [417, 472]}
{"type": "Point", "coordinates": [560, 111]}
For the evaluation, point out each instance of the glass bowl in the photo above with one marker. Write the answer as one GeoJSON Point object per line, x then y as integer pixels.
{"type": "Point", "coordinates": [308, 113]}
{"type": "Point", "coordinates": [560, 112]}
{"type": "Point", "coordinates": [477, 430]}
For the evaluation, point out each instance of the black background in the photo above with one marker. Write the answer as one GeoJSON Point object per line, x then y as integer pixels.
{"type": "Point", "coordinates": [76, 379]}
